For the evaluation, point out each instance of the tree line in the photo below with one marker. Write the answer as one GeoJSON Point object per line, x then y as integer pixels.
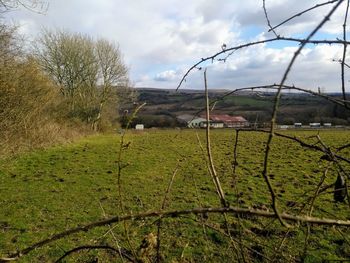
{"type": "Point", "coordinates": [64, 84]}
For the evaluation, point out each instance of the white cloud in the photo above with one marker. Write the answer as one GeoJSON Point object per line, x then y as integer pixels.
{"type": "Point", "coordinates": [168, 75]}
{"type": "Point", "coordinates": [162, 39]}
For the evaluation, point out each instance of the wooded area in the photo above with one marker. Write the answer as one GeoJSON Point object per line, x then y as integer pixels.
{"type": "Point", "coordinates": [66, 85]}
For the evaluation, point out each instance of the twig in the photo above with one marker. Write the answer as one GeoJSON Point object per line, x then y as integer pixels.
{"type": "Point", "coordinates": [313, 199]}
{"type": "Point", "coordinates": [276, 102]}
{"type": "Point", "coordinates": [301, 13]}
{"type": "Point", "coordinates": [111, 232]}
{"type": "Point", "coordinates": [228, 50]}
{"type": "Point", "coordinates": [235, 162]}
{"type": "Point", "coordinates": [210, 158]}
{"type": "Point", "coordinates": [162, 208]}
{"type": "Point", "coordinates": [301, 142]}
{"type": "Point", "coordinates": [177, 213]}
{"type": "Point", "coordinates": [212, 169]}
{"type": "Point", "coordinates": [344, 54]}
{"type": "Point", "coordinates": [123, 252]}
{"type": "Point", "coordinates": [239, 242]}
{"type": "Point", "coordinates": [268, 20]}
{"type": "Point", "coordinates": [121, 166]}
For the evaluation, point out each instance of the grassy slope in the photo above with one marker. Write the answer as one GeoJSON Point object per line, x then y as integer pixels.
{"type": "Point", "coordinates": [45, 192]}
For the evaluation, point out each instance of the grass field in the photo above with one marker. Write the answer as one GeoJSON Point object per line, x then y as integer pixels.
{"type": "Point", "coordinates": [47, 191]}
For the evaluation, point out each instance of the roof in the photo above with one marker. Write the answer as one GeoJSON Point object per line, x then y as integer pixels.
{"type": "Point", "coordinates": [198, 119]}
{"type": "Point", "coordinates": [227, 118]}
{"type": "Point", "coordinates": [186, 117]}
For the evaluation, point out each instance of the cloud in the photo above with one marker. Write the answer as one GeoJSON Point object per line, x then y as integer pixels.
{"type": "Point", "coordinates": [263, 66]}
{"type": "Point", "coordinates": [160, 40]}
{"type": "Point", "coordinates": [168, 75]}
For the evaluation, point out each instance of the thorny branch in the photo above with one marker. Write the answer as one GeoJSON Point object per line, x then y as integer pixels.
{"type": "Point", "coordinates": [167, 192]}
{"type": "Point", "coordinates": [343, 62]}
{"type": "Point", "coordinates": [275, 108]}
{"type": "Point", "coordinates": [231, 49]}
{"type": "Point", "coordinates": [121, 166]}
{"type": "Point", "coordinates": [126, 254]}
{"type": "Point", "coordinates": [301, 13]}
{"type": "Point", "coordinates": [211, 162]}
{"type": "Point", "coordinates": [268, 20]}
{"type": "Point", "coordinates": [178, 213]}
{"type": "Point", "coordinates": [334, 156]}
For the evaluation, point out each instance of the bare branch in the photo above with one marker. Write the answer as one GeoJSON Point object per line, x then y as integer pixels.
{"type": "Point", "coordinates": [177, 213]}
{"type": "Point", "coordinates": [123, 253]}
{"type": "Point", "coordinates": [212, 169]}
{"type": "Point", "coordinates": [303, 12]}
{"type": "Point", "coordinates": [231, 49]}
{"type": "Point", "coordinates": [274, 113]}
{"type": "Point", "coordinates": [343, 63]}
{"type": "Point", "coordinates": [268, 20]}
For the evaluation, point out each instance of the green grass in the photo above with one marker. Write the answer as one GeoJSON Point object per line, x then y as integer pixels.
{"type": "Point", "coordinates": [47, 191]}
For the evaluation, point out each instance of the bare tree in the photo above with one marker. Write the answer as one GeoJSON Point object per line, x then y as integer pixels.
{"type": "Point", "coordinates": [88, 72]}
{"type": "Point", "coordinates": [112, 74]}
{"type": "Point", "coordinates": [33, 5]}
{"type": "Point", "coordinates": [26, 95]}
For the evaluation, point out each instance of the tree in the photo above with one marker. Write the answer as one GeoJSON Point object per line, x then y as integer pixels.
{"type": "Point", "coordinates": [26, 96]}
{"type": "Point", "coordinates": [112, 73]}
{"type": "Point", "coordinates": [33, 5]}
{"type": "Point", "coordinates": [89, 73]}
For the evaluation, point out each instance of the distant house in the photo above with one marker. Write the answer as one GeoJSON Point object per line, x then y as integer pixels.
{"type": "Point", "coordinates": [315, 125]}
{"type": "Point", "coordinates": [327, 125]}
{"type": "Point", "coordinates": [284, 127]}
{"type": "Point", "coordinates": [298, 125]}
{"type": "Point", "coordinates": [230, 121]}
{"type": "Point", "coordinates": [191, 121]}
{"type": "Point", "coordinates": [216, 121]}
{"type": "Point", "coordinates": [185, 119]}
{"type": "Point", "coordinates": [139, 127]}
{"type": "Point", "coordinates": [196, 123]}
{"type": "Point", "coordinates": [212, 124]}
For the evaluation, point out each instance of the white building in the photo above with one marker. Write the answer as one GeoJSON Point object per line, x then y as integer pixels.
{"type": "Point", "coordinates": [315, 125]}
{"type": "Point", "coordinates": [139, 127]}
{"type": "Point", "coordinates": [196, 123]}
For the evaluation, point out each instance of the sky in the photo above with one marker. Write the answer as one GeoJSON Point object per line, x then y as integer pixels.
{"type": "Point", "coordinates": [161, 39]}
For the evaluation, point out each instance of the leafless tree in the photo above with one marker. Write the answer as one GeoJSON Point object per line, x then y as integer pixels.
{"type": "Point", "coordinates": [88, 72]}
{"type": "Point", "coordinates": [33, 5]}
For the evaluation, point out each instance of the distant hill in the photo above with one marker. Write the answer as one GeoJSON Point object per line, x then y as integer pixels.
{"type": "Point", "coordinates": [164, 105]}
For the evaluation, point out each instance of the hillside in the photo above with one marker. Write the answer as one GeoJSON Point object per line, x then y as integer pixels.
{"type": "Point", "coordinates": [162, 107]}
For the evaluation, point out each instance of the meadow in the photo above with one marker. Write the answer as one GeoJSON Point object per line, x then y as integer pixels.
{"type": "Point", "coordinates": [47, 191]}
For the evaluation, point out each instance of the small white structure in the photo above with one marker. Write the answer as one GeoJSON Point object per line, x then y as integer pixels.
{"type": "Point", "coordinates": [327, 125]}
{"type": "Point", "coordinates": [212, 124]}
{"type": "Point", "coordinates": [217, 124]}
{"type": "Point", "coordinates": [284, 127]}
{"type": "Point", "coordinates": [298, 125]}
{"type": "Point", "coordinates": [139, 127]}
{"type": "Point", "coordinates": [196, 123]}
{"type": "Point", "coordinates": [315, 125]}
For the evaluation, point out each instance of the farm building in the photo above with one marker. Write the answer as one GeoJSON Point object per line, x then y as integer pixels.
{"type": "Point", "coordinates": [315, 125]}
{"type": "Point", "coordinates": [139, 127]}
{"type": "Point", "coordinates": [196, 123]}
{"type": "Point", "coordinates": [230, 121]}
{"type": "Point", "coordinates": [185, 119]}
{"type": "Point", "coordinates": [216, 121]}
{"type": "Point", "coordinates": [213, 124]}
